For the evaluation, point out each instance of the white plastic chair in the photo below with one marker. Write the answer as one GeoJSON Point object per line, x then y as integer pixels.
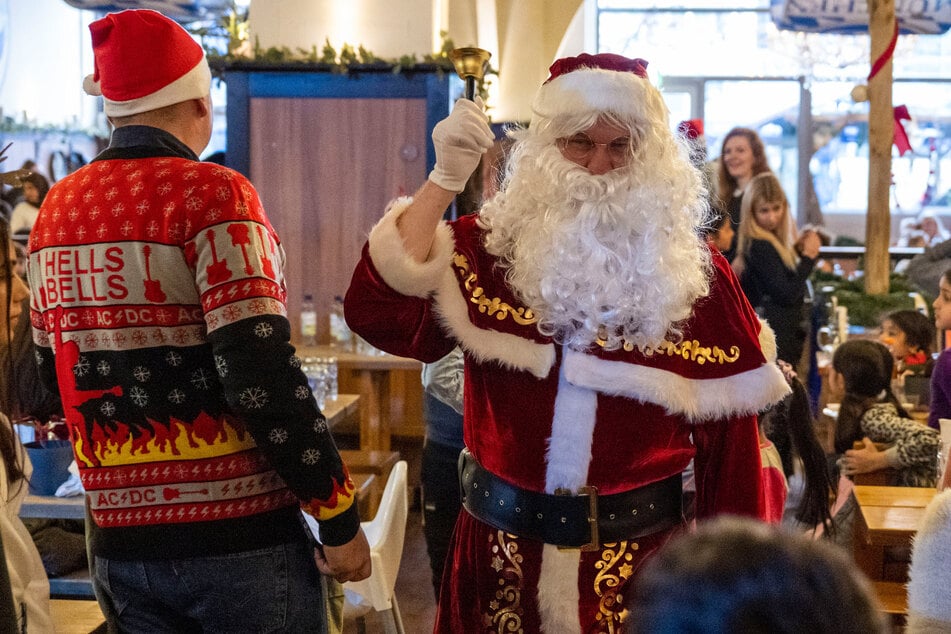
{"type": "Point", "coordinates": [385, 532]}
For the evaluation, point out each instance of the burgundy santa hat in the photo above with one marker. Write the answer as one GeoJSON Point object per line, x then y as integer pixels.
{"type": "Point", "coordinates": [144, 61]}
{"type": "Point", "coordinates": [604, 82]}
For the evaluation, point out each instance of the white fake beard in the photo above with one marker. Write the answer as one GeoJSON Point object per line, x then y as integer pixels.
{"type": "Point", "coordinates": [614, 258]}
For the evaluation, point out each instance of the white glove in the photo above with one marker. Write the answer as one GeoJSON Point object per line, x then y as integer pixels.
{"type": "Point", "coordinates": [460, 141]}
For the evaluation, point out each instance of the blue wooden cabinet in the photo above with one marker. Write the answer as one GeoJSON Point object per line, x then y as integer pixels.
{"type": "Point", "coordinates": [327, 152]}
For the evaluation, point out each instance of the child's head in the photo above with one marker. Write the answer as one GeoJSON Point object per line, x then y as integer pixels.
{"type": "Point", "coordinates": [719, 232]}
{"type": "Point", "coordinates": [861, 374]}
{"type": "Point", "coordinates": [907, 332]}
{"type": "Point", "coordinates": [865, 367]}
{"type": "Point", "coordinates": [942, 303]}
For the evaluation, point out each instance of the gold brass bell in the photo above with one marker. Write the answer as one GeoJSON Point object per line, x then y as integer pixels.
{"type": "Point", "coordinates": [471, 64]}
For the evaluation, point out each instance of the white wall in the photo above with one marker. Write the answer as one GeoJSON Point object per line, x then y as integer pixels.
{"type": "Point", "coordinates": [386, 28]}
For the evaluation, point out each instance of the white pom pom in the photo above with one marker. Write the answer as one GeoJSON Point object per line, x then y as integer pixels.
{"type": "Point", "coordinates": [91, 86]}
{"type": "Point", "coordinates": [860, 93]}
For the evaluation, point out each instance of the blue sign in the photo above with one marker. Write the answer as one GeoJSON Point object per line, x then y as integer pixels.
{"type": "Point", "coordinates": [850, 17]}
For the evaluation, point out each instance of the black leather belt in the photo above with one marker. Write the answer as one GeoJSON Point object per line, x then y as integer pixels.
{"type": "Point", "coordinates": [585, 521]}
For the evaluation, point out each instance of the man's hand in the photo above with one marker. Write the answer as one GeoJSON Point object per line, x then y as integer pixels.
{"type": "Point", "coordinates": [863, 460]}
{"type": "Point", "coordinates": [350, 562]}
{"type": "Point", "coordinates": [460, 141]}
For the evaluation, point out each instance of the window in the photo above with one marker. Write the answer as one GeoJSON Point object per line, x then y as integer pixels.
{"type": "Point", "coordinates": [727, 63]}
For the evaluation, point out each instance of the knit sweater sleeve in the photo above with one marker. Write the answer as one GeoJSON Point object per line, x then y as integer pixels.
{"type": "Point", "coordinates": [246, 318]}
{"type": "Point", "coordinates": [914, 443]}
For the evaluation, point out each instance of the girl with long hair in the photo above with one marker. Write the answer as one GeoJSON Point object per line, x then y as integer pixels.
{"type": "Point", "coordinates": [773, 265]}
{"type": "Point", "coordinates": [789, 426]}
{"type": "Point", "coordinates": [869, 411]}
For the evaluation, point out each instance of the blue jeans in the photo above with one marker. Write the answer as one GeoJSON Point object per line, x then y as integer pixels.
{"type": "Point", "coordinates": [275, 589]}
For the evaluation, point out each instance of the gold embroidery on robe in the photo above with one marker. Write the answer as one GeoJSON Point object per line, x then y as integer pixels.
{"type": "Point", "coordinates": [614, 568]}
{"type": "Point", "coordinates": [505, 613]}
{"type": "Point", "coordinates": [689, 350]}
{"type": "Point", "coordinates": [491, 306]}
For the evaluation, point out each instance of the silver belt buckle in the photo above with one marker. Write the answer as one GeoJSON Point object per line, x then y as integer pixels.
{"type": "Point", "coordinates": [592, 493]}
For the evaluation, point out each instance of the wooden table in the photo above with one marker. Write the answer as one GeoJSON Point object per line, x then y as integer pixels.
{"type": "Point", "coordinates": [373, 377]}
{"type": "Point", "coordinates": [886, 516]}
{"type": "Point", "coordinates": [337, 410]}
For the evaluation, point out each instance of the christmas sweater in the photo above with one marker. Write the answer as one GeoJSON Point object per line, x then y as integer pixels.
{"type": "Point", "coordinates": [158, 310]}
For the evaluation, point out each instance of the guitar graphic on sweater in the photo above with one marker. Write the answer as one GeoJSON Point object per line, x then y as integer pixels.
{"type": "Point", "coordinates": [67, 357]}
{"type": "Point", "coordinates": [240, 237]}
{"type": "Point", "coordinates": [265, 253]}
{"type": "Point", "coordinates": [153, 288]}
{"type": "Point", "coordinates": [218, 271]}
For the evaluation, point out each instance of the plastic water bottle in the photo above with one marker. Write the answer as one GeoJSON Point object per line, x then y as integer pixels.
{"type": "Point", "coordinates": [308, 321]}
{"type": "Point", "coordinates": [340, 334]}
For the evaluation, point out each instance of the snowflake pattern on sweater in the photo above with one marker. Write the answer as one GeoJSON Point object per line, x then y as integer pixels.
{"type": "Point", "coordinates": [158, 282]}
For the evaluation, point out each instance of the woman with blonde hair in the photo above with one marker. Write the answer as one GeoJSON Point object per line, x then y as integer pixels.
{"type": "Point", "coordinates": [773, 264]}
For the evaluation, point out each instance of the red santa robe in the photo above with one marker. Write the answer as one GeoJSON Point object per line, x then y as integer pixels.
{"type": "Point", "coordinates": [543, 417]}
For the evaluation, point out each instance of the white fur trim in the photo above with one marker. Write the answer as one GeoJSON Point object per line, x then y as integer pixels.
{"type": "Point", "coordinates": [397, 268]}
{"type": "Point", "coordinates": [929, 575]}
{"type": "Point", "coordinates": [194, 84]}
{"type": "Point", "coordinates": [558, 594]}
{"type": "Point", "coordinates": [767, 341]}
{"type": "Point", "coordinates": [696, 399]}
{"type": "Point", "coordinates": [572, 433]}
{"type": "Point", "coordinates": [590, 90]}
{"type": "Point", "coordinates": [513, 352]}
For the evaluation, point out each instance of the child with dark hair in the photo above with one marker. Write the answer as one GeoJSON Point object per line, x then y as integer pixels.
{"type": "Point", "coordinates": [719, 232]}
{"type": "Point", "coordinates": [910, 336]}
{"type": "Point", "coordinates": [790, 427]}
{"type": "Point", "coordinates": [738, 575]}
{"type": "Point", "coordinates": [861, 371]}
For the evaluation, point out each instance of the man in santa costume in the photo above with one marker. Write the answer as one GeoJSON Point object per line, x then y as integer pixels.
{"type": "Point", "coordinates": [605, 346]}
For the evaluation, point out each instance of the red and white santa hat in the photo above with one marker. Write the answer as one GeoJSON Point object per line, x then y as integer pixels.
{"type": "Point", "coordinates": [144, 61]}
{"type": "Point", "coordinates": [605, 82]}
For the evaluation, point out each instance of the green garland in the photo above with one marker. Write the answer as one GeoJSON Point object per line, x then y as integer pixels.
{"type": "Point", "coordinates": [233, 28]}
{"type": "Point", "coordinates": [864, 309]}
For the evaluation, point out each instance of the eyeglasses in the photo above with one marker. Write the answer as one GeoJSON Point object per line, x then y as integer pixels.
{"type": "Point", "coordinates": [580, 147]}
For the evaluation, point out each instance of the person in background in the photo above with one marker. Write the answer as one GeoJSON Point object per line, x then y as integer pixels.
{"type": "Point", "coordinates": [773, 264]}
{"type": "Point", "coordinates": [162, 323]}
{"type": "Point", "coordinates": [941, 373]}
{"type": "Point", "coordinates": [925, 269]}
{"type": "Point", "coordinates": [35, 188]}
{"type": "Point", "coordinates": [742, 157]}
{"type": "Point", "coordinates": [861, 373]}
{"type": "Point", "coordinates": [719, 233]}
{"type": "Point", "coordinates": [933, 227]}
{"type": "Point", "coordinates": [605, 346]}
{"type": "Point", "coordinates": [29, 584]}
{"type": "Point", "coordinates": [929, 575]}
{"type": "Point", "coordinates": [789, 426]}
{"type": "Point", "coordinates": [442, 408]}
{"type": "Point", "coordinates": [910, 336]}
{"type": "Point", "coordinates": [736, 575]}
